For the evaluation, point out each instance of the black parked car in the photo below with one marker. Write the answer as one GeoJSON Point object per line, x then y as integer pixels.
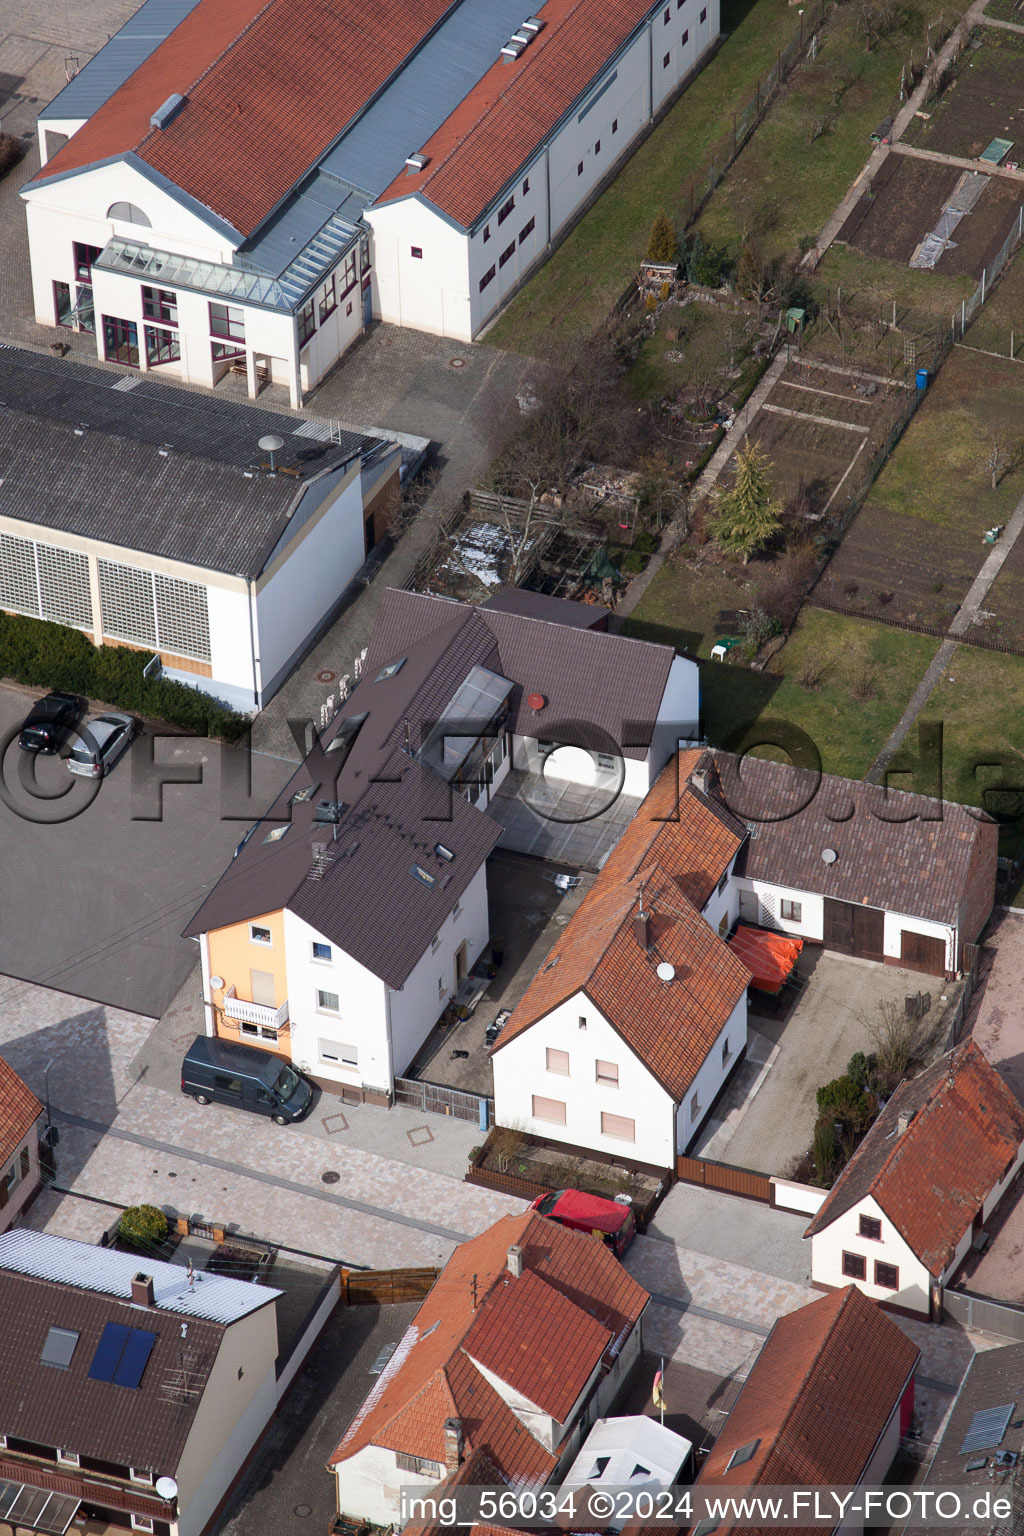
{"type": "Point", "coordinates": [50, 721]}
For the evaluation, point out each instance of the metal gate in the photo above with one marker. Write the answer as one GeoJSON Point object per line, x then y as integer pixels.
{"type": "Point", "coordinates": [436, 1099]}
{"type": "Point", "coordinates": [985, 1315]}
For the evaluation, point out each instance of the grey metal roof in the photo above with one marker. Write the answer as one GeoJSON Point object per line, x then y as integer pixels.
{"type": "Point", "coordinates": [97, 81]}
{"type": "Point", "coordinates": [153, 468]}
{"type": "Point", "coordinates": [422, 95]}
{"type": "Point", "coordinates": [219, 1298]}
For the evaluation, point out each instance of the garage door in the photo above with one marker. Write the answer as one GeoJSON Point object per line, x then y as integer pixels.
{"type": "Point", "coordinates": [854, 930]}
{"type": "Point", "coordinates": [918, 952]}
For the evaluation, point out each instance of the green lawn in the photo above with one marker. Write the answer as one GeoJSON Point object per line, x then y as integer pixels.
{"type": "Point", "coordinates": [980, 701]}
{"type": "Point", "coordinates": [847, 729]}
{"type": "Point", "coordinates": [939, 468]}
{"type": "Point", "coordinates": [869, 283]}
{"type": "Point", "coordinates": [681, 604]}
{"type": "Point", "coordinates": [577, 287]}
{"type": "Point", "coordinates": [1001, 318]}
{"type": "Point", "coordinates": [801, 179]}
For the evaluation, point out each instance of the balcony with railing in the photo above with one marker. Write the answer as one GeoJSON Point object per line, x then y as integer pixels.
{"type": "Point", "coordinates": [242, 1012]}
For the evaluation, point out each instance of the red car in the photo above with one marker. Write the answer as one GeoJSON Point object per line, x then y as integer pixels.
{"type": "Point", "coordinates": [606, 1219]}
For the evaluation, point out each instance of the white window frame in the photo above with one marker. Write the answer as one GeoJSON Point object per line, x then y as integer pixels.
{"type": "Point", "coordinates": [794, 914]}
{"type": "Point", "coordinates": [456, 909]}
{"type": "Point", "coordinates": [135, 1476]}
{"type": "Point", "coordinates": [322, 1007]}
{"type": "Point", "coordinates": [607, 1115]}
{"type": "Point", "coordinates": [548, 1119]}
{"type": "Point", "coordinates": [141, 1523]}
{"type": "Point", "coordinates": [335, 1057]}
{"type": "Point", "coordinates": [606, 1082]}
{"type": "Point", "coordinates": [268, 942]}
{"type": "Point", "coordinates": [68, 1458]}
{"type": "Point", "coordinates": [435, 944]}
{"type": "Point", "coordinates": [695, 1106]}
{"type": "Point", "coordinates": [321, 959]}
{"type": "Point", "coordinates": [553, 1050]}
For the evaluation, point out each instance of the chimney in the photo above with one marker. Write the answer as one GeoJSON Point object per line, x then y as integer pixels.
{"type": "Point", "coordinates": [452, 1445]}
{"type": "Point", "coordinates": [515, 1261]}
{"type": "Point", "coordinates": [903, 1121]}
{"type": "Point", "coordinates": [699, 780]}
{"type": "Point", "coordinates": [642, 929]}
{"type": "Point", "coordinates": [142, 1291]}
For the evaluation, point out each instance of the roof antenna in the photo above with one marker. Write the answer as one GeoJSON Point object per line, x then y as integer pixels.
{"type": "Point", "coordinates": [641, 912]}
{"type": "Point", "coordinates": [191, 1276]}
{"type": "Point", "coordinates": [474, 1292]}
{"type": "Point", "coordinates": [407, 745]}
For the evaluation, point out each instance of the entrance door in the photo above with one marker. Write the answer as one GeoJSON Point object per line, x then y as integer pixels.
{"type": "Point", "coordinates": [460, 964]}
{"type": "Point", "coordinates": [854, 930]}
{"type": "Point", "coordinates": [262, 984]}
{"type": "Point", "coordinates": [919, 952]}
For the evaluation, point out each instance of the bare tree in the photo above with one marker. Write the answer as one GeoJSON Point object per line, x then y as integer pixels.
{"type": "Point", "coordinates": [1000, 461]}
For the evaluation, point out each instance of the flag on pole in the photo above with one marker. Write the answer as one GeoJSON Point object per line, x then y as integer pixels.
{"type": "Point", "coordinates": [658, 1396]}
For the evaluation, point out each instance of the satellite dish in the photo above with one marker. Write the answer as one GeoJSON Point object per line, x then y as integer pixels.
{"type": "Point", "coordinates": [829, 855]}
{"type": "Point", "coordinates": [271, 444]}
{"type": "Point", "coordinates": [216, 982]}
{"type": "Point", "coordinates": [167, 1488]}
{"type": "Point", "coordinates": [666, 972]}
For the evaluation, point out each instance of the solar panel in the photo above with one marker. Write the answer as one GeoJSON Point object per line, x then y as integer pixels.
{"type": "Point", "coordinates": [59, 1348]}
{"type": "Point", "coordinates": [987, 1428]}
{"type": "Point", "coordinates": [108, 1352]}
{"type": "Point", "coordinates": [133, 1361]}
{"type": "Point", "coordinates": [121, 1355]}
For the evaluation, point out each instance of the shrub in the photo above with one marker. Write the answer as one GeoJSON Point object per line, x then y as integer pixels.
{"type": "Point", "coordinates": [663, 241]}
{"type": "Point", "coordinates": [11, 151]}
{"type": "Point", "coordinates": [651, 303]}
{"type": "Point", "coordinates": [44, 655]}
{"type": "Point", "coordinates": [842, 1099]}
{"type": "Point", "coordinates": [645, 543]}
{"type": "Point", "coordinates": [704, 263]}
{"type": "Point", "coordinates": [632, 562]}
{"type": "Point", "coordinates": [663, 292]}
{"type": "Point", "coordinates": [143, 1225]}
{"type": "Point", "coordinates": [826, 1151]}
{"type": "Point", "coordinates": [858, 1070]}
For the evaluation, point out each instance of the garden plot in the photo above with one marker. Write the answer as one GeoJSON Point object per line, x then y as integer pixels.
{"type": "Point", "coordinates": [821, 426]}
{"type": "Point", "coordinates": [1002, 618]}
{"type": "Point", "coordinates": [904, 206]}
{"type": "Point", "coordinates": [476, 561]}
{"type": "Point", "coordinates": [984, 101]}
{"type": "Point", "coordinates": [892, 566]}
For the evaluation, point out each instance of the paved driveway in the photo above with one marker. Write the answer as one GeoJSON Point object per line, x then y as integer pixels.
{"type": "Point", "coordinates": [94, 905]}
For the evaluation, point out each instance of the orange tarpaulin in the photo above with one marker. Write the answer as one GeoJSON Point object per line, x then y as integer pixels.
{"type": "Point", "coordinates": [768, 956]}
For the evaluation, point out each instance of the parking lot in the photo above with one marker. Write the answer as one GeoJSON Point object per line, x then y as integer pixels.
{"type": "Point", "coordinates": [95, 893]}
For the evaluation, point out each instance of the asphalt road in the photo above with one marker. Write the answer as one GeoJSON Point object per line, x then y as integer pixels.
{"type": "Point", "coordinates": [97, 879]}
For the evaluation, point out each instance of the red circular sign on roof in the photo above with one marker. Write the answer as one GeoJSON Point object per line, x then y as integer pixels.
{"type": "Point", "coordinates": [536, 700]}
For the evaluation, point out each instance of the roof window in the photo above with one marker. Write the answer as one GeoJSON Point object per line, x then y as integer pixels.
{"type": "Point", "coordinates": [301, 796]}
{"type": "Point", "coordinates": [444, 853]}
{"type": "Point", "coordinates": [422, 875]}
{"type": "Point", "coordinates": [391, 670]}
{"type": "Point", "coordinates": [59, 1348]}
{"type": "Point", "coordinates": [276, 833]}
{"type": "Point", "coordinates": [743, 1453]}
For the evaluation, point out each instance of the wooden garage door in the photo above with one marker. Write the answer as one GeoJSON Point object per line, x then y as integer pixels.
{"type": "Point", "coordinates": [918, 952]}
{"type": "Point", "coordinates": [854, 930]}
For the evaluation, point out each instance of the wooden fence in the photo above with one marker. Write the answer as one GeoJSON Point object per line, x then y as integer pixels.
{"type": "Point", "coordinates": [725, 1178]}
{"type": "Point", "coordinates": [379, 1287]}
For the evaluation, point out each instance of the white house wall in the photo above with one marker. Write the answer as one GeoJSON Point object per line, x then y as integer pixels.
{"type": "Point", "coordinates": [760, 904]}
{"type": "Point", "coordinates": [576, 765]}
{"type": "Point", "coordinates": [722, 907]}
{"type": "Point", "coordinates": [238, 1402]}
{"type": "Point", "coordinates": [678, 714]}
{"type": "Point", "coordinates": [843, 1234]}
{"type": "Point", "coordinates": [995, 1194]}
{"type": "Point", "coordinates": [361, 1021]}
{"type": "Point", "coordinates": [520, 1071]}
{"type": "Point", "coordinates": [428, 292]}
{"type": "Point", "coordinates": [712, 1074]}
{"type": "Point", "coordinates": [369, 1486]}
{"type": "Point", "coordinates": [897, 925]}
{"type": "Point", "coordinates": [310, 573]}
{"type": "Point", "coordinates": [418, 1006]}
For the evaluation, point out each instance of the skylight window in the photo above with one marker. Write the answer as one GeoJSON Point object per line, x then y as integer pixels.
{"type": "Point", "coordinates": [303, 796]}
{"type": "Point", "coordinates": [276, 833]}
{"type": "Point", "coordinates": [743, 1453]}
{"type": "Point", "coordinates": [391, 670]}
{"type": "Point", "coordinates": [422, 875]}
{"type": "Point", "coordinates": [122, 1355]}
{"type": "Point", "coordinates": [444, 853]}
{"type": "Point", "coordinates": [59, 1348]}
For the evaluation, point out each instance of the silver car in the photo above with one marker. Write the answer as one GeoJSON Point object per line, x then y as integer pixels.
{"type": "Point", "coordinates": [99, 743]}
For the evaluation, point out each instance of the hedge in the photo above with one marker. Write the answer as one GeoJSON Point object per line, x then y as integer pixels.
{"type": "Point", "coordinates": [143, 1225]}
{"type": "Point", "coordinates": [45, 655]}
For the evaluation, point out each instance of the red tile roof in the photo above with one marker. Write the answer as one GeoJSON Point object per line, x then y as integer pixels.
{"type": "Point", "coordinates": [817, 1398]}
{"type": "Point", "coordinates": [269, 86]}
{"type": "Point", "coordinates": [19, 1111]}
{"type": "Point", "coordinates": [495, 129]}
{"type": "Point", "coordinates": [670, 1025]}
{"type": "Point", "coordinates": [966, 1128]}
{"type": "Point", "coordinates": [574, 1302]}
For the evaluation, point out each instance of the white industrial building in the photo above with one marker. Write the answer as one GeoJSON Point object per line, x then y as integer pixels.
{"type": "Point", "coordinates": [152, 518]}
{"type": "Point", "coordinates": [242, 187]}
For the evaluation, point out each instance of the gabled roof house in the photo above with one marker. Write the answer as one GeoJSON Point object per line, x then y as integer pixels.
{"type": "Point", "coordinates": [246, 184]}
{"type": "Point", "coordinates": [354, 909]}
{"type": "Point", "coordinates": [825, 1404]}
{"type": "Point", "coordinates": [903, 1213]}
{"type": "Point", "coordinates": [129, 1397]}
{"type": "Point", "coordinates": [524, 1340]}
{"type": "Point", "coordinates": [21, 1120]}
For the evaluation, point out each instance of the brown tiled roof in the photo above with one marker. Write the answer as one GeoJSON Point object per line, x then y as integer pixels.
{"type": "Point", "coordinates": [145, 1427]}
{"type": "Point", "coordinates": [431, 1376]}
{"type": "Point", "coordinates": [269, 86]}
{"type": "Point", "coordinates": [497, 127]}
{"type": "Point", "coordinates": [966, 1129]}
{"type": "Point", "coordinates": [539, 605]}
{"type": "Point", "coordinates": [817, 1398]}
{"type": "Point", "coordinates": [395, 809]}
{"type": "Point", "coordinates": [900, 852]}
{"type": "Point", "coordinates": [19, 1111]}
{"type": "Point", "coordinates": [677, 847]}
{"type": "Point", "coordinates": [538, 1341]}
